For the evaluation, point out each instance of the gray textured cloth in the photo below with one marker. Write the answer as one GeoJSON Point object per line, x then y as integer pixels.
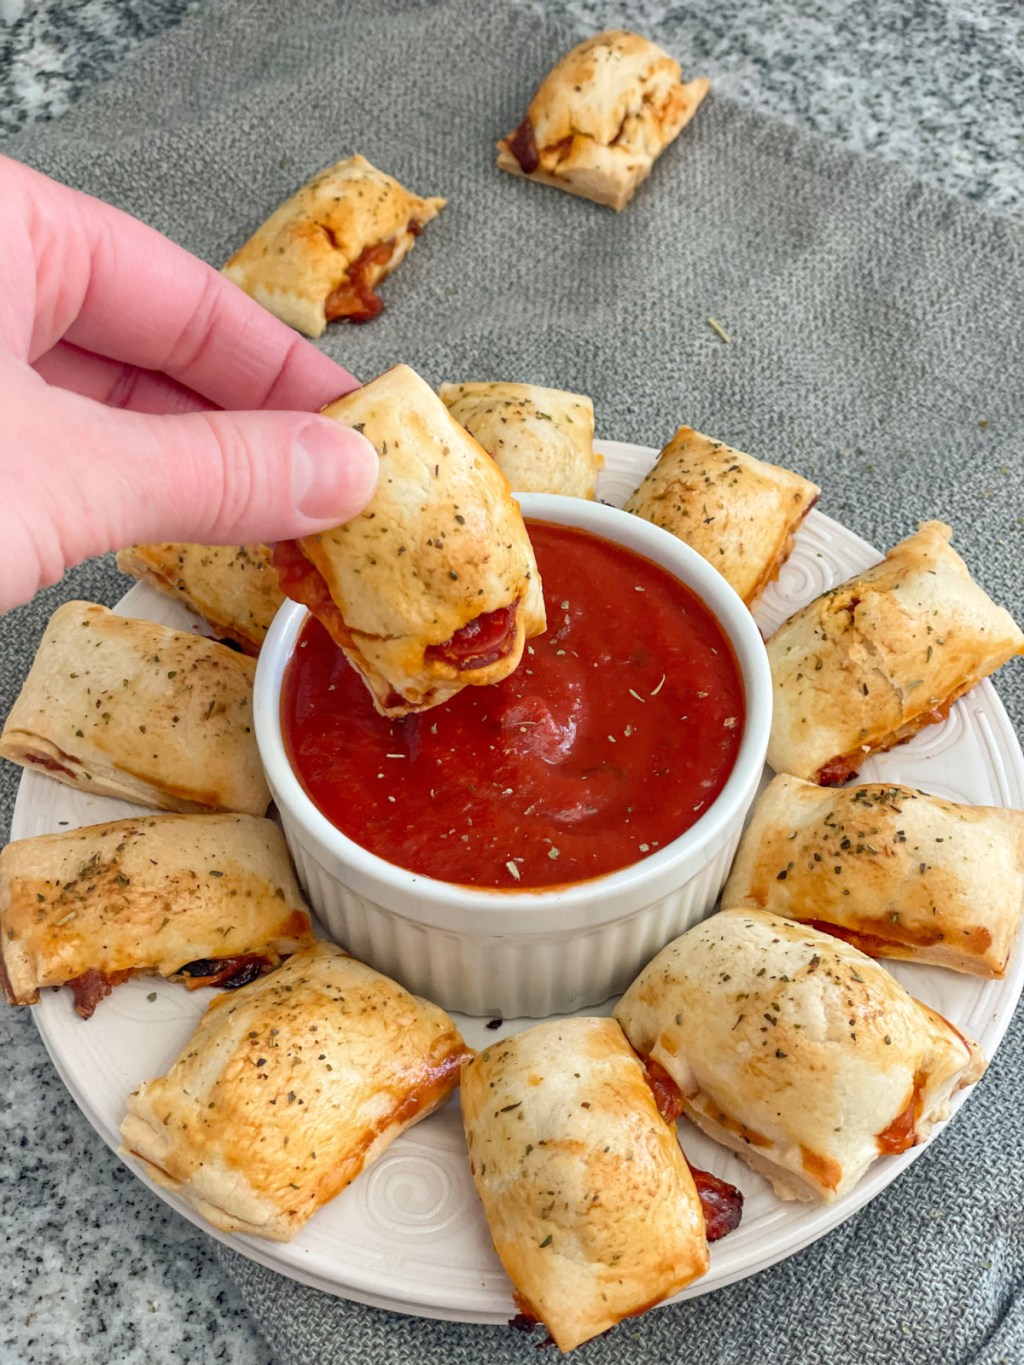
{"type": "Point", "coordinates": [876, 347]}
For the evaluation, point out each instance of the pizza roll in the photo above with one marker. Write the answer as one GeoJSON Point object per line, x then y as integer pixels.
{"type": "Point", "coordinates": [127, 708]}
{"type": "Point", "coordinates": [602, 117]}
{"type": "Point", "coordinates": [868, 664]}
{"type": "Point", "coordinates": [794, 1049]}
{"type": "Point", "coordinates": [210, 899]}
{"type": "Point", "coordinates": [319, 257]}
{"type": "Point", "coordinates": [233, 588]}
{"type": "Point", "coordinates": [891, 870]}
{"type": "Point", "coordinates": [738, 512]}
{"type": "Point", "coordinates": [289, 1088]}
{"type": "Point", "coordinates": [541, 439]}
{"type": "Point", "coordinates": [588, 1197]}
{"type": "Point", "coordinates": [434, 586]}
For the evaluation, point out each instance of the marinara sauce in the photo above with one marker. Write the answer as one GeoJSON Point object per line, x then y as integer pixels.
{"type": "Point", "coordinates": [618, 728]}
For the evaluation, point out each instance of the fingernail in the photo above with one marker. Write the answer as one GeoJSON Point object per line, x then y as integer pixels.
{"type": "Point", "coordinates": [334, 471]}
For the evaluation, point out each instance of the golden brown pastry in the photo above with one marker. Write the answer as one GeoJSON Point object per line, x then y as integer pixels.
{"type": "Point", "coordinates": [891, 870]}
{"type": "Point", "coordinates": [319, 257]}
{"type": "Point", "coordinates": [233, 588]}
{"type": "Point", "coordinates": [289, 1088]}
{"type": "Point", "coordinates": [794, 1049]}
{"type": "Point", "coordinates": [601, 118]}
{"type": "Point", "coordinates": [588, 1197]}
{"type": "Point", "coordinates": [868, 664]}
{"type": "Point", "coordinates": [210, 899]}
{"type": "Point", "coordinates": [738, 512]}
{"type": "Point", "coordinates": [127, 708]}
{"type": "Point", "coordinates": [434, 586]}
{"type": "Point", "coordinates": [541, 439]}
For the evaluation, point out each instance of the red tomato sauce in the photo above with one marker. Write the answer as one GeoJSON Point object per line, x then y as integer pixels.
{"type": "Point", "coordinates": [615, 733]}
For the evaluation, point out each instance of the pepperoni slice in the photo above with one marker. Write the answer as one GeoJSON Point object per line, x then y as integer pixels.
{"type": "Point", "coordinates": [523, 146]}
{"type": "Point", "coordinates": [721, 1203]}
{"type": "Point", "coordinates": [667, 1095]}
{"type": "Point", "coordinates": [483, 641]}
{"type": "Point", "coordinates": [835, 772]}
{"type": "Point", "coordinates": [227, 972]}
{"type": "Point", "coordinates": [354, 299]}
{"type": "Point", "coordinates": [92, 987]}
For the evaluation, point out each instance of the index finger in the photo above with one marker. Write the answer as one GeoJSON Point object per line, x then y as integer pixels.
{"type": "Point", "coordinates": [148, 302]}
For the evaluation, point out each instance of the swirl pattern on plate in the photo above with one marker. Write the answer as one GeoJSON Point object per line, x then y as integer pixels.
{"type": "Point", "coordinates": [415, 1193]}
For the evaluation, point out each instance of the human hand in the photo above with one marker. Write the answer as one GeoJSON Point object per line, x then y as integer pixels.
{"type": "Point", "coordinates": [118, 352]}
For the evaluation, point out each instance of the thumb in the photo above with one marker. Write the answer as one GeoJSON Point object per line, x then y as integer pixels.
{"type": "Point", "coordinates": [211, 477]}
{"type": "Point", "coordinates": [254, 476]}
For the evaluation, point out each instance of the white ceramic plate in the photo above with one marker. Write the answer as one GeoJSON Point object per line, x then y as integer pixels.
{"type": "Point", "coordinates": [409, 1234]}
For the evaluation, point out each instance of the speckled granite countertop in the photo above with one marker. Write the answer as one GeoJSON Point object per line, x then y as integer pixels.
{"type": "Point", "coordinates": [97, 1269]}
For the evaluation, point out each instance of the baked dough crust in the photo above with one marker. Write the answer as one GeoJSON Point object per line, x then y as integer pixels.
{"type": "Point", "coordinates": [441, 543]}
{"type": "Point", "coordinates": [541, 439]}
{"type": "Point", "coordinates": [127, 708]}
{"type": "Point", "coordinates": [588, 1197]}
{"type": "Point", "coordinates": [234, 588]}
{"type": "Point", "coordinates": [602, 116]}
{"type": "Point", "coordinates": [307, 248]}
{"type": "Point", "coordinates": [896, 872]}
{"type": "Point", "coordinates": [794, 1049]}
{"type": "Point", "coordinates": [738, 512]}
{"type": "Point", "coordinates": [865, 666]}
{"type": "Point", "coordinates": [289, 1088]}
{"type": "Point", "coordinates": [145, 895]}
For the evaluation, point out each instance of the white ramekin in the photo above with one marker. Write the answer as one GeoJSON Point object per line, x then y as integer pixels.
{"type": "Point", "coordinates": [524, 953]}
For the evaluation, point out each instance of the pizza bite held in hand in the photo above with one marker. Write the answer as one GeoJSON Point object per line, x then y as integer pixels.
{"type": "Point", "coordinates": [738, 512]}
{"type": "Point", "coordinates": [541, 439]}
{"type": "Point", "coordinates": [210, 900]}
{"type": "Point", "coordinates": [319, 257]}
{"type": "Point", "coordinates": [233, 588]}
{"type": "Point", "coordinates": [289, 1088]}
{"type": "Point", "coordinates": [895, 872]}
{"type": "Point", "coordinates": [433, 586]}
{"type": "Point", "coordinates": [601, 118]}
{"type": "Point", "coordinates": [794, 1049]}
{"type": "Point", "coordinates": [590, 1202]}
{"type": "Point", "coordinates": [122, 707]}
{"type": "Point", "coordinates": [866, 665]}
